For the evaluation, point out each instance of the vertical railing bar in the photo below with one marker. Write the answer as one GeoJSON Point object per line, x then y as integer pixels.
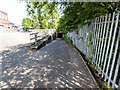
{"type": "Point", "coordinates": [82, 40]}
{"type": "Point", "coordinates": [95, 39]}
{"type": "Point", "coordinates": [105, 43]}
{"type": "Point", "coordinates": [91, 49]}
{"type": "Point", "coordinates": [102, 40]}
{"type": "Point", "coordinates": [101, 33]}
{"type": "Point", "coordinates": [72, 37]}
{"type": "Point", "coordinates": [88, 30]}
{"type": "Point", "coordinates": [36, 39]}
{"type": "Point", "coordinates": [98, 40]}
{"type": "Point", "coordinates": [110, 35]}
{"type": "Point", "coordinates": [116, 72]}
{"type": "Point", "coordinates": [86, 43]}
{"type": "Point", "coordinates": [113, 40]}
{"type": "Point", "coordinates": [79, 39]}
{"type": "Point", "coordinates": [75, 39]}
{"type": "Point", "coordinates": [85, 38]}
{"type": "Point", "coordinates": [113, 62]}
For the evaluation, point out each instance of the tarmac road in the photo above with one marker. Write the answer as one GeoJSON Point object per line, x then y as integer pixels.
{"type": "Point", "coordinates": [13, 38]}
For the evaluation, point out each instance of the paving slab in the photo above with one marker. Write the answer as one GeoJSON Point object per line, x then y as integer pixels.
{"type": "Point", "coordinates": [57, 65]}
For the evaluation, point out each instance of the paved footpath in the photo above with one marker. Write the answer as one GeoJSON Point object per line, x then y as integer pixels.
{"type": "Point", "coordinates": [56, 65]}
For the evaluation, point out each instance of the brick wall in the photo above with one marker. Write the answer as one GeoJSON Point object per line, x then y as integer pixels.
{"type": "Point", "coordinates": [3, 21]}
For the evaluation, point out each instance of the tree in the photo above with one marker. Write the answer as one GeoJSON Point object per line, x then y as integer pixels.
{"type": "Point", "coordinates": [27, 23]}
{"type": "Point", "coordinates": [45, 14]}
{"type": "Point", "coordinates": [73, 14]}
{"type": "Point", "coordinates": [80, 13]}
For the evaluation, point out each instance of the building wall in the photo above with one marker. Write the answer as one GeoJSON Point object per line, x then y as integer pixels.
{"type": "Point", "coordinates": [12, 27]}
{"type": "Point", "coordinates": [4, 23]}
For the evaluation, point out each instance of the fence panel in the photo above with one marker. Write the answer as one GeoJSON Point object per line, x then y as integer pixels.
{"type": "Point", "coordinates": [100, 42]}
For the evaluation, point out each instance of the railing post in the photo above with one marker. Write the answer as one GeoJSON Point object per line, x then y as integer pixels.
{"type": "Point", "coordinates": [36, 39]}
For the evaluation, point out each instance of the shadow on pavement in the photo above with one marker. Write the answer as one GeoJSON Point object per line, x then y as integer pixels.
{"type": "Point", "coordinates": [54, 66]}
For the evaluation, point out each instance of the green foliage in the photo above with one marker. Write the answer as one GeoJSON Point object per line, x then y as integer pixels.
{"type": "Point", "coordinates": [90, 45]}
{"type": "Point", "coordinates": [90, 40]}
{"type": "Point", "coordinates": [45, 14]}
{"type": "Point", "coordinates": [80, 13]}
{"type": "Point", "coordinates": [27, 23]}
{"type": "Point", "coordinates": [67, 39]}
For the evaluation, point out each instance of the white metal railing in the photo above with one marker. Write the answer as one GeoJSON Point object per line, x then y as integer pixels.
{"type": "Point", "coordinates": [100, 42]}
{"type": "Point", "coordinates": [41, 35]}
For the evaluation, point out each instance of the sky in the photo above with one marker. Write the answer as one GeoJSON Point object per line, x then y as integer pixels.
{"type": "Point", "coordinates": [16, 10]}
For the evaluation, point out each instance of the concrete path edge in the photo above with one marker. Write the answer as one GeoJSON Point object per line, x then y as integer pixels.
{"type": "Point", "coordinates": [85, 64]}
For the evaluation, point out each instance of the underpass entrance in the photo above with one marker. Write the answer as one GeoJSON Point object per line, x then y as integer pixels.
{"type": "Point", "coordinates": [60, 35]}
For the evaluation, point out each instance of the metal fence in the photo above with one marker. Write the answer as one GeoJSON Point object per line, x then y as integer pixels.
{"type": "Point", "coordinates": [100, 42]}
{"type": "Point", "coordinates": [44, 35]}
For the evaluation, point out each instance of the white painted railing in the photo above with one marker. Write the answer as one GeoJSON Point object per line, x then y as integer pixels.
{"type": "Point", "coordinates": [39, 36]}
{"type": "Point", "coordinates": [100, 42]}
